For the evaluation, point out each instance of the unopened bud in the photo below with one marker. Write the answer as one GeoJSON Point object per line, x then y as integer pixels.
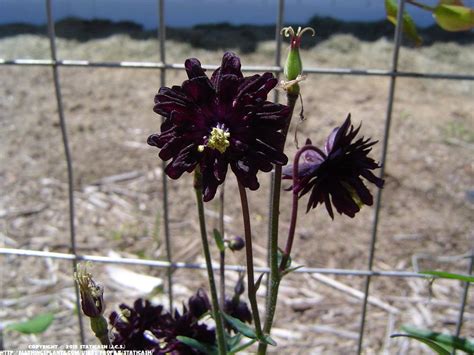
{"type": "Point", "coordinates": [236, 243]}
{"type": "Point", "coordinates": [239, 288]}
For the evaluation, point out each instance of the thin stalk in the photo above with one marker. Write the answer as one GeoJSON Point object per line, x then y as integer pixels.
{"type": "Point", "coordinates": [252, 294]}
{"type": "Point", "coordinates": [222, 253]}
{"type": "Point", "coordinates": [421, 6]}
{"type": "Point", "coordinates": [272, 292]}
{"type": "Point", "coordinates": [294, 208]}
{"type": "Point", "coordinates": [210, 273]}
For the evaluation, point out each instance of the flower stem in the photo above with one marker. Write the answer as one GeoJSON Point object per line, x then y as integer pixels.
{"type": "Point", "coordinates": [421, 6]}
{"type": "Point", "coordinates": [222, 253]}
{"type": "Point", "coordinates": [294, 208]}
{"type": "Point", "coordinates": [252, 293]}
{"type": "Point", "coordinates": [210, 273]}
{"type": "Point", "coordinates": [272, 293]}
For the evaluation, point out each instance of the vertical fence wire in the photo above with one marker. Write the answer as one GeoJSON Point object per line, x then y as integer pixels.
{"type": "Point", "coordinates": [67, 152]}
{"type": "Point", "coordinates": [166, 227]}
{"type": "Point", "coordinates": [391, 96]}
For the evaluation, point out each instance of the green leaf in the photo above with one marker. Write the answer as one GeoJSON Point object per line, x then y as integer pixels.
{"type": "Point", "coordinates": [432, 344]}
{"type": "Point", "coordinates": [454, 17]}
{"type": "Point", "coordinates": [267, 339]}
{"type": "Point", "coordinates": [193, 343]}
{"type": "Point", "coordinates": [409, 27]}
{"type": "Point", "coordinates": [34, 325]}
{"type": "Point", "coordinates": [287, 271]}
{"type": "Point", "coordinates": [233, 341]}
{"type": "Point", "coordinates": [447, 275]}
{"type": "Point", "coordinates": [259, 281]}
{"type": "Point", "coordinates": [240, 326]}
{"type": "Point", "coordinates": [244, 346]}
{"type": "Point", "coordinates": [446, 339]}
{"type": "Point", "coordinates": [219, 240]}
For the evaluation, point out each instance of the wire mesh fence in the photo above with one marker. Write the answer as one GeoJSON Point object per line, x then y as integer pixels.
{"type": "Point", "coordinates": [162, 67]}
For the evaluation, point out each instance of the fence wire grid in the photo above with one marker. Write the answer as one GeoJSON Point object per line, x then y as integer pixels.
{"type": "Point", "coordinates": [277, 69]}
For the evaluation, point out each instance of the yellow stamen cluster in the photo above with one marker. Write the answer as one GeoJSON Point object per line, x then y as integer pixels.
{"type": "Point", "coordinates": [218, 139]}
{"type": "Point", "coordinates": [354, 195]}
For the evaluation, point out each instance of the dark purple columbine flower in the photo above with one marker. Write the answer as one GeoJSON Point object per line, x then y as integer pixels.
{"type": "Point", "coordinates": [217, 122]}
{"type": "Point", "coordinates": [148, 327]}
{"type": "Point", "coordinates": [334, 177]}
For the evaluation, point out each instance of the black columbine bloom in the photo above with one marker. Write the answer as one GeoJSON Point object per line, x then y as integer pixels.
{"type": "Point", "coordinates": [334, 177]}
{"type": "Point", "coordinates": [148, 327]}
{"type": "Point", "coordinates": [217, 122]}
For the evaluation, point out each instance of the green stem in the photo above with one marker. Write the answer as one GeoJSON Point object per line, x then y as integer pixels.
{"type": "Point", "coordinates": [99, 326]}
{"type": "Point", "coordinates": [252, 294]}
{"type": "Point", "coordinates": [421, 6]}
{"type": "Point", "coordinates": [221, 343]}
{"type": "Point", "coordinates": [222, 253]}
{"type": "Point", "coordinates": [272, 294]}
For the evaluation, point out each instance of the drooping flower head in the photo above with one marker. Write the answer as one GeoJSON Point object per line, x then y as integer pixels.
{"type": "Point", "coordinates": [217, 122]}
{"type": "Point", "coordinates": [334, 176]}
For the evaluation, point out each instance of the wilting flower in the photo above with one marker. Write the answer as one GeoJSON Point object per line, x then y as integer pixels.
{"type": "Point", "coordinates": [148, 327]}
{"type": "Point", "coordinates": [92, 294]}
{"type": "Point", "coordinates": [334, 177]}
{"type": "Point", "coordinates": [217, 122]}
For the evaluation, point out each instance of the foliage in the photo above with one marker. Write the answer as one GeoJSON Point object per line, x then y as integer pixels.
{"type": "Point", "coordinates": [36, 325]}
{"type": "Point", "coordinates": [450, 15]}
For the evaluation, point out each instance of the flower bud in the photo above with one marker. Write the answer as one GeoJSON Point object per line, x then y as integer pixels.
{"type": "Point", "coordinates": [92, 294]}
{"type": "Point", "coordinates": [239, 288]}
{"type": "Point", "coordinates": [236, 243]}
{"type": "Point", "coordinates": [199, 303]}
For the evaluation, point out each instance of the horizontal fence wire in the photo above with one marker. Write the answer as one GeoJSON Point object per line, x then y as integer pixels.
{"type": "Point", "coordinates": [198, 266]}
{"type": "Point", "coordinates": [162, 66]}
{"type": "Point", "coordinates": [245, 68]}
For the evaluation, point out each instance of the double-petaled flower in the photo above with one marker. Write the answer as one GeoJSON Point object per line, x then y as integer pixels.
{"type": "Point", "coordinates": [221, 121]}
{"type": "Point", "coordinates": [148, 327]}
{"type": "Point", "coordinates": [334, 176]}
